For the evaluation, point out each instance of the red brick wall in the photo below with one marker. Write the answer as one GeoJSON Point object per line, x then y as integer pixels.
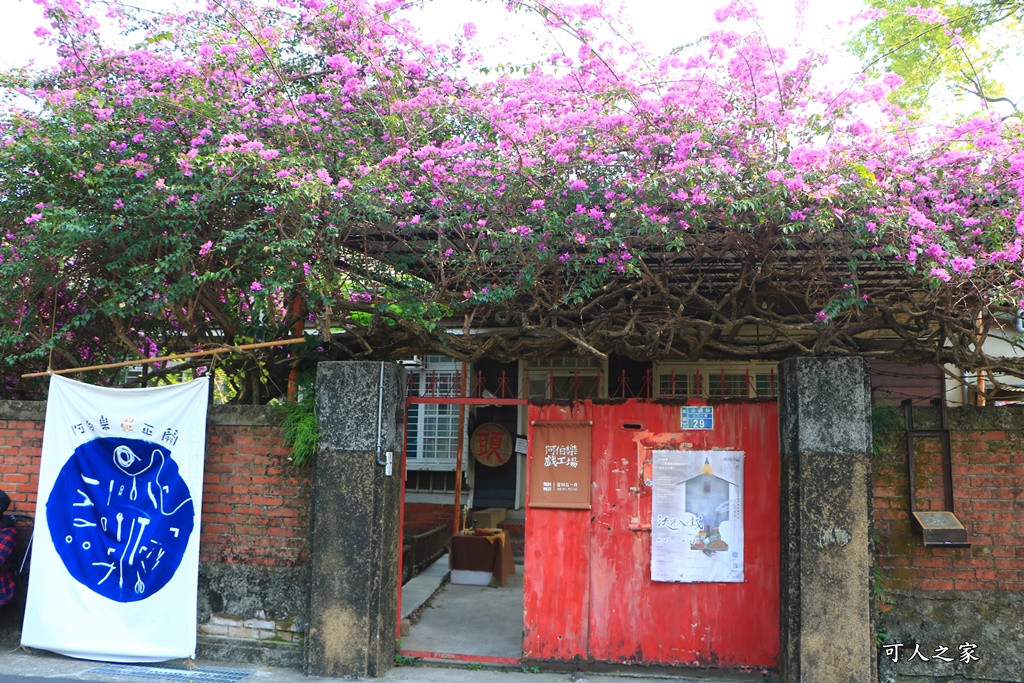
{"type": "Point", "coordinates": [987, 447]}
{"type": "Point", "coordinates": [21, 438]}
{"type": "Point", "coordinates": [255, 505]}
{"type": "Point", "coordinates": [421, 517]}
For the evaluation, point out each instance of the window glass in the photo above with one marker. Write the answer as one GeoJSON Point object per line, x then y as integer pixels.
{"type": "Point", "coordinates": [432, 429]}
{"type": "Point", "coordinates": [730, 380]}
{"type": "Point", "coordinates": [564, 378]}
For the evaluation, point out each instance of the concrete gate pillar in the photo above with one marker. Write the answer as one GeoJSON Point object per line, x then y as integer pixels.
{"type": "Point", "coordinates": [825, 447]}
{"type": "Point", "coordinates": [354, 520]}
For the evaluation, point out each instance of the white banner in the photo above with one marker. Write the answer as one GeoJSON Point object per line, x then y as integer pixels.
{"type": "Point", "coordinates": [115, 560]}
{"type": "Point", "coordinates": [697, 516]}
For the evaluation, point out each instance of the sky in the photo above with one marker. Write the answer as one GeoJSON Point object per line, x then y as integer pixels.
{"type": "Point", "coordinates": [659, 24]}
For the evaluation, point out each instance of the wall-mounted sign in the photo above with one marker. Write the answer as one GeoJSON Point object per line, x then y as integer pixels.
{"type": "Point", "coordinates": [697, 417]}
{"type": "Point", "coordinates": [560, 465]}
{"type": "Point", "coordinates": [491, 444]}
{"type": "Point", "coordinates": [521, 445]}
{"type": "Point", "coordinates": [697, 516]}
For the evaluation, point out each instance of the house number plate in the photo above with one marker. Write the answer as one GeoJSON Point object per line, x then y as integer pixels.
{"type": "Point", "coordinates": [697, 417]}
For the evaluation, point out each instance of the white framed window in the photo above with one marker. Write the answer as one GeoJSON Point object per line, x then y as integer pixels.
{"type": "Point", "coordinates": [566, 378]}
{"type": "Point", "coordinates": [432, 429]}
{"type": "Point", "coordinates": [715, 380]}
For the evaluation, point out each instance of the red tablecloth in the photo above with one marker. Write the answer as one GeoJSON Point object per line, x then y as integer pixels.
{"type": "Point", "coordinates": [487, 550]}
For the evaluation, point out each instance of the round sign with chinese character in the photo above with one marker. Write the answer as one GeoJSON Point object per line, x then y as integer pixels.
{"type": "Point", "coordinates": [491, 445]}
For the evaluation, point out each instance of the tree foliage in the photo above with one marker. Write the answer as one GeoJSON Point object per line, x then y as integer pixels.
{"type": "Point", "coordinates": [953, 43]}
{"type": "Point", "coordinates": [256, 164]}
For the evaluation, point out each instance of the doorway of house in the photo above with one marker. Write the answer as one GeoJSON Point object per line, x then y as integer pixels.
{"type": "Point", "coordinates": [589, 588]}
{"type": "Point", "coordinates": [462, 592]}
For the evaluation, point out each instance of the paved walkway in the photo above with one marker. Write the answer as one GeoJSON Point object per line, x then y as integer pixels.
{"type": "Point", "coordinates": [449, 623]}
{"type": "Point", "coordinates": [18, 666]}
{"type": "Point", "coordinates": [455, 620]}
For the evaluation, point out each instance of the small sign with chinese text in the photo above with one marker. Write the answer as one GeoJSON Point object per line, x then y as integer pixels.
{"type": "Point", "coordinates": [491, 445]}
{"type": "Point", "coordinates": [697, 417]}
{"type": "Point", "coordinates": [560, 465]}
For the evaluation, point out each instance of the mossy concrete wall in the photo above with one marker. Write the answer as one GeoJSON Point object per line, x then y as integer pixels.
{"type": "Point", "coordinates": [356, 511]}
{"type": "Point", "coordinates": [252, 614]}
{"type": "Point", "coordinates": [963, 636]}
{"type": "Point", "coordinates": [825, 444]}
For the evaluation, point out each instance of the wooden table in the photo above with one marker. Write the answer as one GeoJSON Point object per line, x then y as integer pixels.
{"type": "Point", "coordinates": [475, 555]}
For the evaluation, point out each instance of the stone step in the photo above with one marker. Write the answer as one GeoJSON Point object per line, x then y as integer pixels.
{"type": "Point", "coordinates": [516, 529]}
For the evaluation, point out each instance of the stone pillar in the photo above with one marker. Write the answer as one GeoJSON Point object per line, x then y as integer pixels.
{"type": "Point", "coordinates": [354, 521]}
{"type": "Point", "coordinates": [825, 446]}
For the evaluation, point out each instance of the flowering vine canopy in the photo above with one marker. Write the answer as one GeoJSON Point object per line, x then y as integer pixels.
{"type": "Point", "coordinates": [247, 166]}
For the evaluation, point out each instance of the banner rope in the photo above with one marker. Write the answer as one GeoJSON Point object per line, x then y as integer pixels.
{"type": "Point", "coordinates": [53, 332]}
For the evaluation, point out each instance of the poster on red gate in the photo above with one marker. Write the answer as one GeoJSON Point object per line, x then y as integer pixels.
{"type": "Point", "coordinates": [697, 516]}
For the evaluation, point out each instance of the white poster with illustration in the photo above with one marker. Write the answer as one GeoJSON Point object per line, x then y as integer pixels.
{"type": "Point", "coordinates": [115, 561]}
{"type": "Point", "coordinates": [697, 516]}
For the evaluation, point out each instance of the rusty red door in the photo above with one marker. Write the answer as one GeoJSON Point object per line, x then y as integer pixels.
{"type": "Point", "coordinates": [588, 593]}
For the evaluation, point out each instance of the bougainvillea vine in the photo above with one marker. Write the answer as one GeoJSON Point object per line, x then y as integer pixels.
{"type": "Point", "coordinates": [185, 189]}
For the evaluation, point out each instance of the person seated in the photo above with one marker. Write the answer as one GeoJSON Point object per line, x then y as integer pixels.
{"type": "Point", "coordinates": [8, 540]}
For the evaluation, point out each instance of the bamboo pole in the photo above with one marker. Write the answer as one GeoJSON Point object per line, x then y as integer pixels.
{"type": "Point", "coordinates": [293, 374]}
{"type": "Point", "coordinates": [160, 359]}
{"type": "Point", "coordinates": [464, 392]}
{"type": "Point", "coordinates": [980, 382]}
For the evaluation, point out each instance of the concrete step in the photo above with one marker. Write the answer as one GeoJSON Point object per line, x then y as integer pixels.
{"type": "Point", "coordinates": [516, 529]}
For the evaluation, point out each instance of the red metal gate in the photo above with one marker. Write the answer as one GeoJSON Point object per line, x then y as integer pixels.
{"type": "Point", "coordinates": [588, 594]}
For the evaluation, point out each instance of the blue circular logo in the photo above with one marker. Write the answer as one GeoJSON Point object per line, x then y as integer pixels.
{"type": "Point", "coordinates": [120, 517]}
